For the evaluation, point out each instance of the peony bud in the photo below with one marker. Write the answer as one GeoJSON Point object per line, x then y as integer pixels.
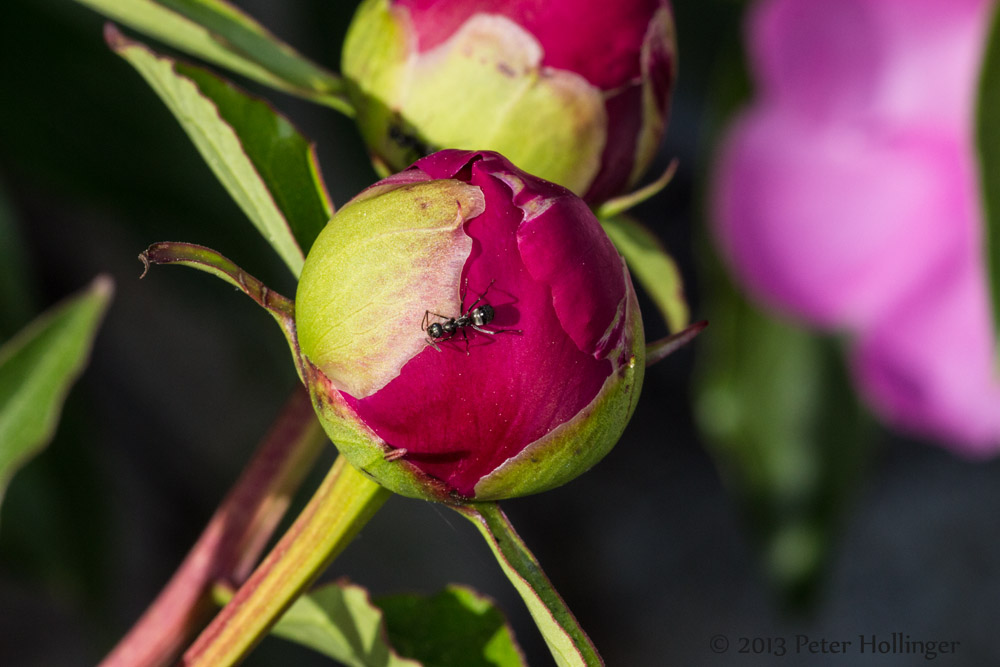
{"type": "Point", "coordinates": [574, 92]}
{"type": "Point", "coordinates": [536, 361]}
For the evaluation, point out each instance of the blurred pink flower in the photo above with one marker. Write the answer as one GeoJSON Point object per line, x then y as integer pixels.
{"type": "Point", "coordinates": [846, 196]}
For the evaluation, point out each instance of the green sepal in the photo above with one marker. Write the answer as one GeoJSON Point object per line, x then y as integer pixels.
{"type": "Point", "coordinates": [375, 270]}
{"type": "Point", "coordinates": [618, 205]}
{"type": "Point", "coordinates": [375, 49]}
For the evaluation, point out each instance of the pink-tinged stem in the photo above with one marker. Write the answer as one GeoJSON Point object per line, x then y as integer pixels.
{"type": "Point", "coordinates": [344, 502]}
{"type": "Point", "coordinates": [659, 350]}
{"type": "Point", "coordinates": [232, 541]}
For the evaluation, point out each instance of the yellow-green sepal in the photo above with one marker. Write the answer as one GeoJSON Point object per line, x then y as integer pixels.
{"type": "Point", "coordinates": [373, 272]}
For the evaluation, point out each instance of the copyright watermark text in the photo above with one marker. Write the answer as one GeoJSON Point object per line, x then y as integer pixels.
{"type": "Point", "coordinates": [895, 643]}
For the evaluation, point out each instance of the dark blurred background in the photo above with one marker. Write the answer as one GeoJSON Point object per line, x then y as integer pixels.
{"type": "Point", "coordinates": [651, 550]}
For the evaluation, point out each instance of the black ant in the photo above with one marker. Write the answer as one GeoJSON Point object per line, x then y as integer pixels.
{"type": "Point", "coordinates": [475, 316]}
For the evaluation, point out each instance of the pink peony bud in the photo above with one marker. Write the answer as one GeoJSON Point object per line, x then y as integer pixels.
{"type": "Point", "coordinates": [847, 196]}
{"type": "Point", "coordinates": [575, 92]}
{"type": "Point", "coordinates": [469, 331]}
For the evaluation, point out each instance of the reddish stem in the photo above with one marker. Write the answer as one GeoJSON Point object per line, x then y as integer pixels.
{"type": "Point", "coordinates": [231, 543]}
{"type": "Point", "coordinates": [342, 504]}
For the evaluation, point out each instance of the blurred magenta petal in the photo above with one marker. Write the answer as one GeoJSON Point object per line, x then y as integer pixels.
{"type": "Point", "coordinates": [929, 368]}
{"type": "Point", "coordinates": [851, 60]}
{"type": "Point", "coordinates": [847, 196]}
{"type": "Point", "coordinates": [821, 59]}
{"type": "Point", "coordinates": [832, 223]}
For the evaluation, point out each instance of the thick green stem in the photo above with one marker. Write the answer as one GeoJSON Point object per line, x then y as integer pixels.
{"type": "Point", "coordinates": [345, 501]}
{"type": "Point", "coordinates": [570, 645]}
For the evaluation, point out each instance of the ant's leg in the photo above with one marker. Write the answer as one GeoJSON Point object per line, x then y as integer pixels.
{"type": "Point", "coordinates": [433, 343]}
{"type": "Point", "coordinates": [473, 306]}
{"type": "Point", "coordinates": [487, 331]}
{"type": "Point", "coordinates": [466, 337]}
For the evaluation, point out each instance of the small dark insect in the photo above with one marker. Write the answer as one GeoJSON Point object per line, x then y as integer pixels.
{"type": "Point", "coordinates": [476, 316]}
{"type": "Point", "coordinates": [408, 140]}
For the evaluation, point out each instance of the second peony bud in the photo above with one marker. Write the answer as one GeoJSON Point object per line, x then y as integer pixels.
{"type": "Point", "coordinates": [469, 332]}
{"type": "Point", "coordinates": [574, 91]}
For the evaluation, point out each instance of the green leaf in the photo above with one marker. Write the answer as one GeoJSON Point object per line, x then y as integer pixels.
{"type": "Point", "coordinates": [268, 168]}
{"type": "Point", "coordinates": [652, 266]}
{"type": "Point", "coordinates": [340, 621]}
{"type": "Point", "coordinates": [37, 368]}
{"type": "Point", "coordinates": [988, 142]}
{"type": "Point", "coordinates": [780, 417]}
{"type": "Point", "coordinates": [222, 34]}
{"type": "Point", "coordinates": [285, 160]}
{"type": "Point", "coordinates": [455, 628]}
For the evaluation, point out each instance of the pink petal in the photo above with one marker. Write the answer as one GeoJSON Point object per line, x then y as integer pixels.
{"type": "Point", "coordinates": [833, 223]}
{"type": "Point", "coordinates": [930, 366]}
{"type": "Point", "coordinates": [908, 60]}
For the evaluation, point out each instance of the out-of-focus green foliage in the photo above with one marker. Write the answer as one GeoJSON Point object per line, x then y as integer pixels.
{"type": "Point", "coordinates": [37, 368]}
{"type": "Point", "coordinates": [988, 139]}
{"type": "Point", "coordinates": [790, 439]}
